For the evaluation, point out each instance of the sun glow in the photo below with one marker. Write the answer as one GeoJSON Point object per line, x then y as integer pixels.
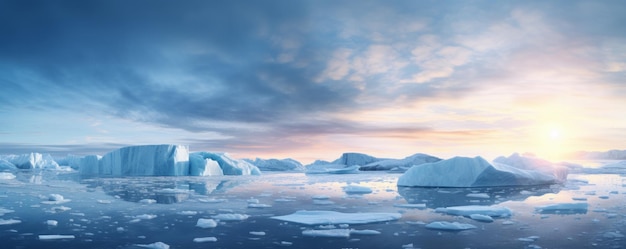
{"type": "Point", "coordinates": [552, 142]}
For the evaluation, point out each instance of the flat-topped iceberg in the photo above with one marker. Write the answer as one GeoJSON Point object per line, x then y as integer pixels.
{"type": "Point", "coordinates": [527, 162]}
{"type": "Point", "coordinates": [287, 164]}
{"type": "Point", "coordinates": [332, 217]}
{"type": "Point", "coordinates": [146, 160]}
{"type": "Point", "coordinates": [472, 172]}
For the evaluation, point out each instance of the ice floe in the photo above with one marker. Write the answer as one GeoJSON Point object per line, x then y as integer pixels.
{"type": "Point", "coordinates": [9, 222]}
{"type": "Point", "coordinates": [230, 217]}
{"type": "Point", "coordinates": [205, 239]}
{"type": "Point", "coordinates": [452, 226]}
{"type": "Point", "coordinates": [334, 233]}
{"type": "Point", "coordinates": [332, 217]}
{"type": "Point", "coordinates": [206, 223]}
{"type": "Point", "coordinates": [55, 237]}
{"type": "Point", "coordinates": [355, 189]}
{"type": "Point", "coordinates": [155, 245]}
{"type": "Point", "coordinates": [6, 176]}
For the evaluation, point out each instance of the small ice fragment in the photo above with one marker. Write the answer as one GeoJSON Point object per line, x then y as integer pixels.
{"type": "Point", "coordinates": [408, 246]}
{"type": "Point", "coordinates": [613, 235]}
{"type": "Point", "coordinates": [364, 232]}
{"type": "Point", "coordinates": [252, 200]}
{"type": "Point", "coordinates": [9, 222]}
{"type": "Point", "coordinates": [257, 233]}
{"type": "Point", "coordinates": [52, 222]}
{"type": "Point", "coordinates": [283, 200]}
{"type": "Point", "coordinates": [478, 195]}
{"type": "Point", "coordinates": [481, 217]}
{"type": "Point", "coordinates": [155, 245]}
{"type": "Point", "coordinates": [188, 212]}
{"type": "Point", "coordinates": [120, 229]}
{"type": "Point", "coordinates": [55, 236]}
{"type": "Point", "coordinates": [493, 211]}
{"type": "Point", "coordinates": [526, 192]}
{"type": "Point", "coordinates": [332, 217]}
{"type": "Point", "coordinates": [4, 211]}
{"type": "Point", "coordinates": [334, 233]}
{"type": "Point", "coordinates": [230, 217]}
{"type": "Point", "coordinates": [286, 243]}
{"type": "Point", "coordinates": [603, 197]}
{"type": "Point", "coordinates": [105, 201]}
{"type": "Point", "coordinates": [148, 201]}
{"type": "Point", "coordinates": [453, 226]}
{"type": "Point", "coordinates": [206, 223]}
{"type": "Point", "coordinates": [578, 207]}
{"type": "Point", "coordinates": [204, 239]}
{"type": "Point", "coordinates": [55, 197]}
{"type": "Point", "coordinates": [60, 209]}
{"type": "Point", "coordinates": [579, 198]}
{"type": "Point", "coordinates": [508, 222]}
{"type": "Point", "coordinates": [145, 216]}
{"type": "Point", "coordinates": [212, 200]}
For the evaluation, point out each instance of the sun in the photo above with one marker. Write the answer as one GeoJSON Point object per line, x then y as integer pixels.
{"type": "Point", "coordinates": [555, 134]}
{"type": "Point", "coordinates": [551, 141]}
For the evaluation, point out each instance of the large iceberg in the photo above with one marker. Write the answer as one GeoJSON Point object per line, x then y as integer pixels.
{"type": "Point", "coordinates": [88, 165]}
{"type": "Point", "coordinates": [228, 165]}
{"type": "Point", "coordinates": [200, 166]}
{"type": "Point", "coordinates": [472, 172]}
{"type": "Point", "coordinates": [6, 165]}
{"type": "Point", "coordinates": [352, 158]}
{"type": "Point", "coordinates": [32, 161]}
{"type": "Point", "coordinates": [401, 164]}
{"type": "Point", "coordinates": [528, 162]}
{"type": "Point", "coordinates": [146, 160]}
{"type": "Point", "coordinates": [287, 164]}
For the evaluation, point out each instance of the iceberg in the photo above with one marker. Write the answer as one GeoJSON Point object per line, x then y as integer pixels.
{"type": "Point", "coordinates": [89, 165]}
{"type": "Point", "coordinates": [401, 164]}
{"type": "Point", "coordinates": [471, 172]}
{"type": "Point", "coordinates": [73, 161]}
{"type": "Point", "coordinates": [351, 158]}
{"type": "Point", "coordinates": [146, 160]}
{"type": "Point", "coordinates": [32, 161]}
{"type": "Point", "coordinates": [6, 165]}
{"type": "Point", "coordinates": [332, 217]}
{"type": "Point", "coordinates": [527, 162]}
{"type": "Point", "coordinates": [332, 169]}
{"type": "Point", "coordinates": [200, 166]}
{"type": "Point", "coordinates": [287, 164]}
{"type": "Point", "coordinates": [228, 165]}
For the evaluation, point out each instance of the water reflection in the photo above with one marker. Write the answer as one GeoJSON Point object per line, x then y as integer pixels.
{"type": "Point", "coordinates": [447, 197]}
{"type": "Point", "coordinates": [163, 190]}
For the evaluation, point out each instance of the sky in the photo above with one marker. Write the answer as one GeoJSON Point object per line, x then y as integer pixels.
{"type": "Point", "coordinates": [313, 79]}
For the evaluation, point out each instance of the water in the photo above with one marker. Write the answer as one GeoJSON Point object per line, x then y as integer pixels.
{"type": "Point", "coordinates": [114, 213]}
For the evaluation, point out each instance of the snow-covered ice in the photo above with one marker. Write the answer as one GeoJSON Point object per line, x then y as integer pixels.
{"type": "Point", "coordinates": [333, 233]}
{"type": "Point", "coordinates": [146, 160]}
{"type": "Point", "coordinates": [228, 164]}
{"type": "Point", "coordinates": [332, 217]}
{"type": "Point", "coordinates": [155, 245]}
{"type": "Point", "coordinates": [205, 239]}
{"type": "Point", "coordinates": [481, 217]}
{"type": "Point", "coordinates": [55, 236]}
{"type": "Point", "coordinates": [200, 166]}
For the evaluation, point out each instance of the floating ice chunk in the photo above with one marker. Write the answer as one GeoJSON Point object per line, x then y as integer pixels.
{"type": "Point", "coordinates": [60, 209]}
{"type": "Point", "coordinates": [188, 212]}
{"type": "Point", "coordinates": [579, 198]}
{"type": "Point", "coordinates": [55, 199]}
{"type": "Point", "coordinates": [354, 189]}
{"type": "Point", "coordinates": [32, 161]}
{"type": "Point", "coordinates": [145, 216]}
{"type": "Point", "coordinates": [478, 195]}
{"type": "Point", "coordinates": [613, 235]}
{"type": "Point", "coordinates": [332, 217]}
{"type": "Point", "coordinates": [155, 245]}
{"type": "Point", "coordinates": [285, 243]}
{"type": "Point", "coordinates": [408, 246]}
{"type": "Point", "coordinates": [283, 200]}
{"type": "Point", "coordinates": [603, 197]}
{"type": "Point", "coordinates": [564, 208]}
{"type": "Point", "coordinates": [52, 222]}
{"type": "Point", "coordinates": [257, 233]}
{"type": "Point", "coordinates": [364, 232]}
{"type": "Point", "coordinates": [252, 200]}
{"type": "Point", "coordinates": [206, 223]}
{"type": "Point", "coordinates": [147, 201]}
{"type": "Point", "coordinates": [334, 233]}
{"type": "Point", "coordinates": [493, 211]}
{"type": "Point", "coordinates": [445, 225]}
{"type": "Point", "coordinates": [205, 239]}
{"type": "Point", "coordinates": [230, 217]}
{"type": "Point", "coordinates": [418, 206]}
{"type": "Point", "coordinates": [320, 197]}
{"type": "Point", "coordinates": [6, 176]}
{"type": "Point", "coordinates": [4, 211]}
{"type": "Point", "coordinates": [212, 200]}
{"type": "Point", "coordinates": [529, 239]}
{"type": "Point", "coordinates": [55, 236]}
{"type": "Point", "coordinates": [105, 201]}
{"type": "Point", "coordinates": [400, 164]}
{"type": "Point", "coordinates": [481, 217]}
{"type": "Point", "coordinates": [9, 222]}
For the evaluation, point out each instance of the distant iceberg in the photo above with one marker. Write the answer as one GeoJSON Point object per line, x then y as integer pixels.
{"type": "Point", "coordinates": [31, 161]}
{"type": "Point", "coordinates": [228, 165]}
{"type": "Point", "coordinates": [474, 172]}
{"type": "Point", "coordinates": [401, 164]}
{"type": "Point", "coordinates": [146, 160]}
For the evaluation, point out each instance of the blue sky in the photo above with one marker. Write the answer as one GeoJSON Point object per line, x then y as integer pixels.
{"type": "Point", "coordinates": [312, 79]}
